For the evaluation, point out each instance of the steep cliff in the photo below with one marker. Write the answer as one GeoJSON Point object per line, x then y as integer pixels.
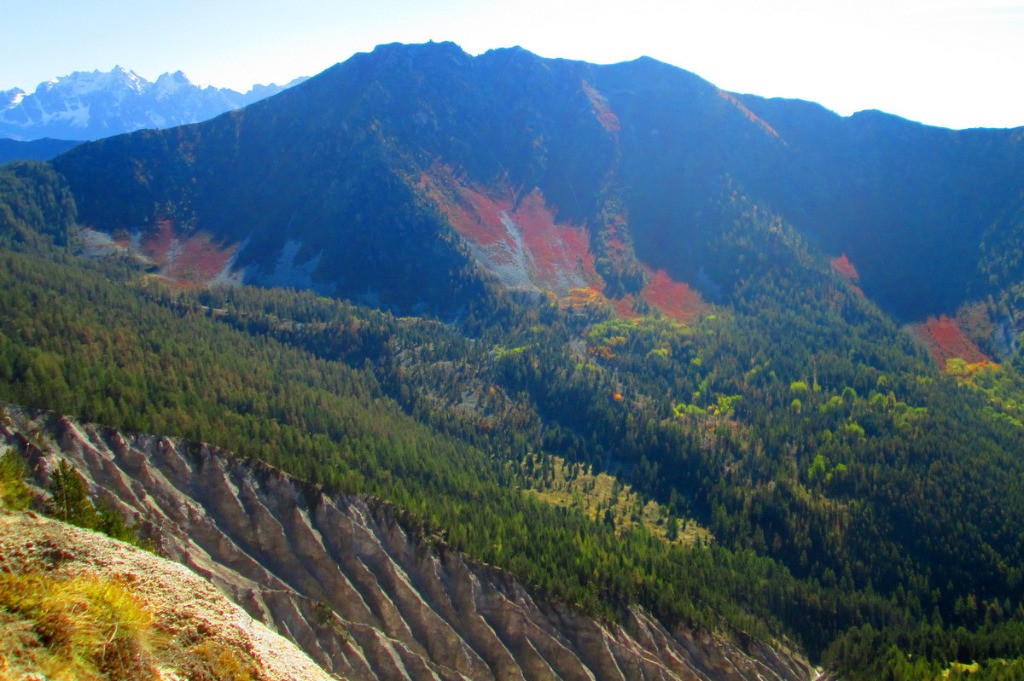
{"type": "Point", "coordinates": [361, 595]}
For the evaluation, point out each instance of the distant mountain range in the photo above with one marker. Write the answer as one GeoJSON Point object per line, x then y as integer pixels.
{"type": "Point", "coordinates": [34, 150]}
{"type": "Point", "coordinates": [91, 105]}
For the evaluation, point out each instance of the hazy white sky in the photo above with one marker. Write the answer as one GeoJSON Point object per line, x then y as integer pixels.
{"type": "Point", "coordinates": [955, 63]}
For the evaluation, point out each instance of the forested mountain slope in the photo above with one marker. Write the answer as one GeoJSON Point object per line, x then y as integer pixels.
{"type": "Point", "coordinates": [608, 278]}
{"type": "Point", "coordinates": [36, 150]}
{"type": "Point", "coordinates": [340, 576]}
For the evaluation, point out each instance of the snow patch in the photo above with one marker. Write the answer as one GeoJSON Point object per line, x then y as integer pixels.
{"type": "Point", "coordinates": [170, 84]}
{"type": "Point", "coordinates": [10, 98]}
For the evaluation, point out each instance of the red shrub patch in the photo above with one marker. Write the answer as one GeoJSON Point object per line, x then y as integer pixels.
{"type": "Point", "coordinates": [479, 219]}
{"type": "Point", "coordinates": [158, 243]}
{"type": "Point", "coordinates": [522, 245]}
{"type": "Point", "coordinates": [195, 261]}
{"type": "Point", "coordinates": [844, 267]}
{"type": "Point", "coordinates": [605, 116]}
{"type": "Point", "coordinates": [616, 244]}
{"type": "Point", "coordinates": [525, 247]}
{"type": "Point", "coordinates": [560, 252]}
{"type": "Point", "coordinates": [751, 116]}
{"type": "Point", "coordinates": [946, 340]}
{"type": "Point", "coordinates": [677, 300]}
{"type": "Point", "coordinates": [474, 215]}
{"type": "Point", "coordinates": [624, 307]}
{"type": "Point", "coordinates": [198, 261]}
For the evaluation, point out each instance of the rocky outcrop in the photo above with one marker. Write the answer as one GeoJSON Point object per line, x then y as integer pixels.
{"type": "Point", "coordinates": [189, 615]}
{"type": "Point", "coordinates": [365, 599]}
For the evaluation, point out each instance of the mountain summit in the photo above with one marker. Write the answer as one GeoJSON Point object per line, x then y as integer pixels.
{"type": "Point", "coordinates": [91, 105]}
{"type": "Point", "coordinates": [564, 176]}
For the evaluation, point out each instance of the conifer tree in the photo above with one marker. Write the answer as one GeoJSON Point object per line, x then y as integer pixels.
{"type": "Point", "coordinates": [69, 498]}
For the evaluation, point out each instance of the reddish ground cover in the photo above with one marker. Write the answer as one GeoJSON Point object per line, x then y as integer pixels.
{"type": "Point", "coordinates": [751, 116]}
{"type": "Point", "coordinates": [844, 267]}
{"type": "Point", "coordinates": [157, 244]}
{"type": "Point", "coordinates": [624, 307]}
{"type": "Point", "coordinates": [198, 261]}
{"type": "Point", "coordinates": [194, 261]}
{"type": "Point", "coordinates": [525, 243]}
{"type": "Point", "coordinates": [479, 219]}
{"type": "Point", "coordinates": [605, 116]}
{"type": "Point", "coordinates": [474, 215]}
{"type": "Point", "coordinates": [560, 252]}
{"type": "Point", "coordinates": [676, 299]}
{"type": "Point", "coordinates": [946, 340]}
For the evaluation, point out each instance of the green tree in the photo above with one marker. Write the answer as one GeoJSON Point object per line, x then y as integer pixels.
{"type": "Point", "coordinates": [69, 498]}
{"type": "Point", "coordinates": [110, 522]}
{"type": "Point", "coordinates": [14, 493]}
{"type": "Point", "coordinates": [672, 528]}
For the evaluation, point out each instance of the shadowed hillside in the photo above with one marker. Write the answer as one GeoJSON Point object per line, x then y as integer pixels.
{"type": "Point", "coordinates": [641, 155]}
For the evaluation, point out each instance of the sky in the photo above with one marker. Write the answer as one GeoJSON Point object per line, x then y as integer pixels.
{"type": "Point", "coordinates": [952, 63]}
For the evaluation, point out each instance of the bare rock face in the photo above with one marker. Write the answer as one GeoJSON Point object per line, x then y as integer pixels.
{"type": "Point", "coordinates": [341, 578]}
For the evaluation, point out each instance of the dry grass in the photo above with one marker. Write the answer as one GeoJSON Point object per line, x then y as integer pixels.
{"type": "Point", "coordinates": [213, 660]}
{"type": "Point", "coordinates": [90, 628]}
{"type": "Point", "coordinates": [79, 628]}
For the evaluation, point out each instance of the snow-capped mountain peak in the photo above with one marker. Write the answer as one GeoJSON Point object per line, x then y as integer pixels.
{"type": "Point", "coordinates": [170, 83]}
{"type": "Point", "coordinates": [92, 104]}
{"type": "Point", "coordinates": [84, 83]}
{"type": "Point", "coordinates": [9, 98]}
